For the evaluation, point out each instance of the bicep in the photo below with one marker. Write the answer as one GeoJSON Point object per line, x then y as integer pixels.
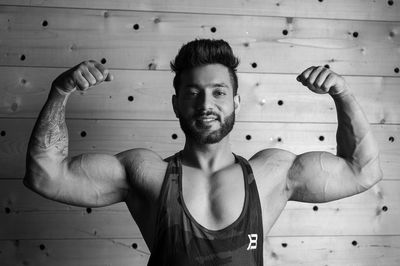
{"type": "Point", "coordinates": [90, 180]}
{"type": "Point", "coordinates": [321, 177]}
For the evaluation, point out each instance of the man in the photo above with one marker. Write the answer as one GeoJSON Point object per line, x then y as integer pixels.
{"type": "Point", "coordinates": [203, 205]}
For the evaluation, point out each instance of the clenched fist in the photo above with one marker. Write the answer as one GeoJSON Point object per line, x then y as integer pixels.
{"type": "Point", "coordinates": [322, 80]}
{"type": "Point", "coordinates": [81, 77]}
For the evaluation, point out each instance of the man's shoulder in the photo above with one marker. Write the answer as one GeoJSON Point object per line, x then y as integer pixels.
{"type": "Point", "coordinates": [271, 168]}
{"type": "Point", "coordinates": [143, 161]}
{"type": "Point", "coordinates": [272, 162]}
{"type": "Point", "coordinates": [273, 155]}
{"type": "Point", "coordinates": [139, 154]}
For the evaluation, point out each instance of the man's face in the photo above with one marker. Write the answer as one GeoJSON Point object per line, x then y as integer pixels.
{"type": "Point", "coordinates": [206, 105]}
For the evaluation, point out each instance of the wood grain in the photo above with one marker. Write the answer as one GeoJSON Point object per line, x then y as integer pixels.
{"type": "Point", "coordinates": [24, 91]}
{"type": "Point", "coordinates": [74, 34]}
{"type": "Point", "coordinates": [339, 9]}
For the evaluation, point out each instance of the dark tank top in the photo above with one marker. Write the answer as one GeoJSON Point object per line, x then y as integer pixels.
{"type": "Point", "coordinates": [181, 241]}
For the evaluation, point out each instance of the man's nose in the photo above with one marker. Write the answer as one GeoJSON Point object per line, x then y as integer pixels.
{"type": "Point", "coordinates": [205, 101]}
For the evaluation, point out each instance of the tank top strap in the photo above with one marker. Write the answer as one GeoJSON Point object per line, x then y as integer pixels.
{"type": "Point", "coordinates": [247, 170]}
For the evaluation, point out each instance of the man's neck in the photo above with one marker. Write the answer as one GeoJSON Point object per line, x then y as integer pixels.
{"type": "Point", "coordinates": [208, 157]}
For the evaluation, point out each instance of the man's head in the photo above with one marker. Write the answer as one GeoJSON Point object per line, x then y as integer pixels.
{"type": "Point", "coordinates": [206, 90]}
{"type": "Point", "coordinates": [202, 52]}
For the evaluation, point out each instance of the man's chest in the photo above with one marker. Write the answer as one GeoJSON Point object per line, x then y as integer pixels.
{"type": "Point", "coordinates": [214, 201]}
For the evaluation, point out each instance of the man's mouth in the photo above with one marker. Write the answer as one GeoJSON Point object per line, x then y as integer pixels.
{"type": "Point", "coordinates": [207, 118]}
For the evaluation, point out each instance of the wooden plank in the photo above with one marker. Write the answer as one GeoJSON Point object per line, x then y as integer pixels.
{"type": "Point", "coordinates": [74, 34]}
{"type": "Point", "coordinates": [25, 89]}
{"type": "Point", "coordinates": [93, 252]}
{"type": "Point", "coordinates": [335, 250]}
{"type": "Point", "coordinates": [25, 215]}
{"type": "Point", "coordinates": [339, 9]}
{"type": "Point", "coordinates": [317, 251]}
{"type": "Point", "coordinates": [113, 136]}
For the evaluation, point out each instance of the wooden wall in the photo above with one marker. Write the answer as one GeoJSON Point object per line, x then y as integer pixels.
{"type": "Point", "coordinates": [275, 40]}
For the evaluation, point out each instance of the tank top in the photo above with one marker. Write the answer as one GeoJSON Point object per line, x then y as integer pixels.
{"type": "Point", "coordinates": [181, 241]}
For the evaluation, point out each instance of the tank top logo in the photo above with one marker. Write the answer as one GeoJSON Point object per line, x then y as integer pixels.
{"type": "Point", "coordinates": [253, 241]}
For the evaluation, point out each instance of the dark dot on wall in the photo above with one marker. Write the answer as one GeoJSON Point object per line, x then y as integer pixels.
{"type": "Point", "coordinates": [384, 208]}
{"type": "Point", "coordinates": [2, 133]}
{"type": "Point", "coordinates": [174, 136]}
{"type": "Point", "coordinates": [321, 138]}
{"type": "Point", "coordinates": [131, 98]}
{"type": "Point", "coordinates": [320, 1]}
{"type": "Point", "coordinates": [284, 245]}
{"type": "Point", "coordinates": [7, 210]}
{"type": "Point", "coordinates": [396, 70]}
{"type": "Point", "coordinates": [103, 61]}
{"type": "Point", "coordinates": [285, 32]}
{"type": "Point", "coordinates": [277, 4]}
{"type": "Point", "coordinates": [354, 243]}
{"type": "Point", "coordinates": [136, 26]}
{"type": "Point", "coordinates": [83, 134]}
{"type": "Point", "coordinates": [327, 66]}
{"type": "Point", "coordinates": [42, 247]}
{"type": "Point", "coordinates": [45, 23]}
{"type": "Point", "coordinates": [246, 44]}
{"type": "Point", "coordinates": [390, 2]}
{"type": "Point", "coordinates": [315, 208]}
{"type": "Point", "coordinates": [213, 29]}
{"type": "Point", "coordinates": [254, 65]}
{"type": "Point", "coordinates": [391, 34]}
{"type": "Point", "coordinates": [152, 66]}
{"type": "Point", "coordinates": [88, 210]}
{"type": "Point", "coordinates": [355, 34]}
{"type": "Point", "coordinates": [279, 139]}
{"type": "Point", "coordinates": [280, 102]}
{"type": "Point", "coordinates": [134, 246]}
{"type": "Point", "coordinates": [391, 139]}
{"type": "Point", "coordinates": [14, 107]}
{"type": "Point", "coordinates": [106, 14]}
{"type": "Point", "coordinates": [22, 57]}
{"type": "Point", "coordinates": [248, 137]}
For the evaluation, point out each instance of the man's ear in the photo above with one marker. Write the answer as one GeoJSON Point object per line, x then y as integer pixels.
{"type": "Point", "coordinates": [236, 101]}
{"type": "Point", "coordinates": [175, 105]}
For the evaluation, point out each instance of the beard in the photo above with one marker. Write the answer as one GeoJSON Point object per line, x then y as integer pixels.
{"type": "Point", "coordinates": [200, 133]}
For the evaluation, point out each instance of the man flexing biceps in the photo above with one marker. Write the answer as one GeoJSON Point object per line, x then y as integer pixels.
{"type": "Point", "coordinates": [203, 205]}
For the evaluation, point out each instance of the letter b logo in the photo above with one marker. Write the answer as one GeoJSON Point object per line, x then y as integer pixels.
{"type": "Point", "coordinates": [253, 241]}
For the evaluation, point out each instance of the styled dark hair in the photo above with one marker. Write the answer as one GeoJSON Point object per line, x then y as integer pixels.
{"type": "Point", "coordinates": [202, 52]}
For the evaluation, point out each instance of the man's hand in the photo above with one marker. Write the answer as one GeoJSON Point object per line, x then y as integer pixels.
{"type": "Point", "coordinates": [322, 80]}
{"type": "Point", "coordinates": [82, 76]}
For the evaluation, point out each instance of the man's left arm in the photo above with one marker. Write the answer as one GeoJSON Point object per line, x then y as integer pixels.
{"type": "Point", "coordinates": [322, 176]}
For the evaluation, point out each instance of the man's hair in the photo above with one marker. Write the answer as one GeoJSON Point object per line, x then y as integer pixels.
{"type": "Point", "coordinates": [202, 52]}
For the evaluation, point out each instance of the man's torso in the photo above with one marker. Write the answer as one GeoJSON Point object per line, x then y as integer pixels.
{"type": "Point", "coordinates": [215, 200]}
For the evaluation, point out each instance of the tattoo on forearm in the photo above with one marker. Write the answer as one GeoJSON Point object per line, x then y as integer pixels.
{"type": "Point", "coordinates": [51, 129]}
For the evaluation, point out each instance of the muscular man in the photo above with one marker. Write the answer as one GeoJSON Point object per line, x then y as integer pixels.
{"type": "Point", "coordinates": [204, 205]}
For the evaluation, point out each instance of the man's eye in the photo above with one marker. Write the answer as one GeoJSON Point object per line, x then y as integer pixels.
{"type": "Point", "coordinates": [219, 93]}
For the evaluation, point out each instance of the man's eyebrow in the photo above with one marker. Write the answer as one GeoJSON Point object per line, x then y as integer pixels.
{"type": "Point", "coordinates": [220, 84]}
{"type": "Point", "coordinates": [191, 85]}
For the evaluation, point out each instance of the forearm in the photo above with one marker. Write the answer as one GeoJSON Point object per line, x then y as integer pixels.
{"type": "Point", "coordinates": [355, 141]}
{"type": "Point", "coordinates": [48, 145]}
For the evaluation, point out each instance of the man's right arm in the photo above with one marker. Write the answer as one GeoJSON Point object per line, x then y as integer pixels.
{"type": "Point", "coordinates": [90, 180]}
